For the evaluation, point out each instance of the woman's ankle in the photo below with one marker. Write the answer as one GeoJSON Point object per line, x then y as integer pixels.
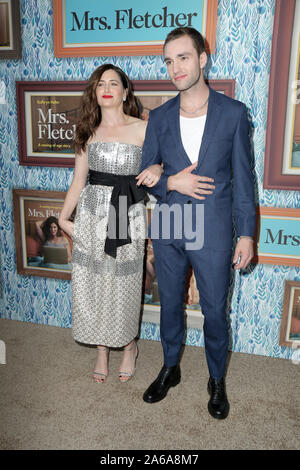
{"type": "Point", "coordinates": [130, 346]}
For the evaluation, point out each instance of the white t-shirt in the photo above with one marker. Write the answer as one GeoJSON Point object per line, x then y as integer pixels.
{"type": "Point", "coordinates": [191, 130]}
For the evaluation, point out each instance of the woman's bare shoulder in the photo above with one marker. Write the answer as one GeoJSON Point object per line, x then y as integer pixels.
{"type": "Point", "coordinates": [137, 122]}
{"type": "Point", "coordinates": [140, 125]}
{"type": "Point", "coordinates": [138, 129]}
{"type": "Point", "coordinates": [143, 123]}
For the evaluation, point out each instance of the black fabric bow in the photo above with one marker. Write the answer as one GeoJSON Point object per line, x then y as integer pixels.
{"type": "Point", "coordinates": [118, 219]}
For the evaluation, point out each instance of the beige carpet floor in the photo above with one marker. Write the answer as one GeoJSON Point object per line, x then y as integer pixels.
{"type": "Point", "coordinates": [48, 399]}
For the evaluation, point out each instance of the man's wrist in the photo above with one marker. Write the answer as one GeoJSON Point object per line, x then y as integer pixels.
{"type": "Point", "coordinates": [170, 183]}
{"type": "Point", "coordinates": [247, 238]}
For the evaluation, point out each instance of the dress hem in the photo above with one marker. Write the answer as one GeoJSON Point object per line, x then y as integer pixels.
{"type": "Point", "coordinates": [104, 343]}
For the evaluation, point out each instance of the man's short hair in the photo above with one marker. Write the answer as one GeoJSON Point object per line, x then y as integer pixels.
{"type": "Point", "coordinates": [196, 37]}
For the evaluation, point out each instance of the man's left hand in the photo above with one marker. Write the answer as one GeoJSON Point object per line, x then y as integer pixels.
{"type": "Point", "coordinates": [244, 252]}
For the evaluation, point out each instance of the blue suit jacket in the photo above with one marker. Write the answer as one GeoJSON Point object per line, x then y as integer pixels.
{"type": "Point", "coordinates": [224, 156]}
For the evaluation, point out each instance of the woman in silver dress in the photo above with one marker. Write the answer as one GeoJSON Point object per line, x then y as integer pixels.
{"type": "Point", "coordinates": [107, 265]}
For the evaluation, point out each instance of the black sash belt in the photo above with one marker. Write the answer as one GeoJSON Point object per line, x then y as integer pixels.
{"type": "Point", "coordinates": [118, 218]}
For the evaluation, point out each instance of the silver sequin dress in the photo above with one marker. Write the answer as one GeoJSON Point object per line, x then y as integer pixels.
{"type": "Point", "coordinates": [106, 292]}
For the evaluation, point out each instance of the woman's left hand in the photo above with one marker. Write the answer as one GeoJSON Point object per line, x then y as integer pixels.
{"type": "Point", "coordinates": [150, 176]}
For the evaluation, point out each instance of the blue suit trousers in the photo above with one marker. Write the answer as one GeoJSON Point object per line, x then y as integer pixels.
{"type": "Point", "coordinates": [212, 273]}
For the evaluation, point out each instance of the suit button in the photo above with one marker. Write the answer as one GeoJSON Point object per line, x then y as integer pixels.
{"type": "Point", "coordinates": [189, 201]}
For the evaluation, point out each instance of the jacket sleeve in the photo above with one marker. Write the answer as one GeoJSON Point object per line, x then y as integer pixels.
{"type": "Point", "coordinates": [151, 156]}
{"type": "Point", "coordinates": [243, 182]}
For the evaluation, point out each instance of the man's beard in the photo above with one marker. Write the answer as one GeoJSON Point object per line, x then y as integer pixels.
{"type": "Point", "coordinates": [189, 84]}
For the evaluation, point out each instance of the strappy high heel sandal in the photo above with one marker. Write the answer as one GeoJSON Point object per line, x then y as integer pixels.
{"type": "Point", "coordinates": [101, 377]}
{"type": "Point", "coordinates": [125, 376]}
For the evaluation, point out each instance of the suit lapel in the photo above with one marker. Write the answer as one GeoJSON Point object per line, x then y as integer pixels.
{"type": "Point", "coordinates": [174, 125]}
{"type": "Point", "coordinates": [212, 120]}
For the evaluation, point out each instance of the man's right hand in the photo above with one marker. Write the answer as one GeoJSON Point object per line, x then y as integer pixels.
{"type": "Point", "coordinates": [185, 182]}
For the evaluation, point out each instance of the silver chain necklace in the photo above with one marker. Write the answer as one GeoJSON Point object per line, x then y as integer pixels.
{"type": "Point", "coordinates": [197, 111]}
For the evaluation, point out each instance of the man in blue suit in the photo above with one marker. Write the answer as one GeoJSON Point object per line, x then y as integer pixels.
{"type": "Point", "coordinates": [201, 138]}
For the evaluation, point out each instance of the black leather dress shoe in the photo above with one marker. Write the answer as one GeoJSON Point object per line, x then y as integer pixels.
{"type": "Point", "coordinates": [168, 377]}
{"type": "Point", "coordinates": [218, 405]}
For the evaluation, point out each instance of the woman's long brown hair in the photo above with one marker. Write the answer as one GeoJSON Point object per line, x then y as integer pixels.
{"type": "Point", "coordinates": [90, 111]}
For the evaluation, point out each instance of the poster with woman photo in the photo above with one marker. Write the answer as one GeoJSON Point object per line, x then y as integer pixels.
{"type": "Point", "coordinates": [43, 248]}
{"type": "Point", "coordinates": [290, 323]}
